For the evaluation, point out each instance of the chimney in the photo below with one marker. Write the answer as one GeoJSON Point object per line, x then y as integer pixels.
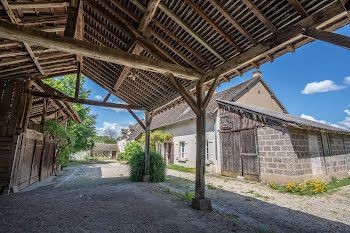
{"type": "Point", "coordinates": [257, 74]}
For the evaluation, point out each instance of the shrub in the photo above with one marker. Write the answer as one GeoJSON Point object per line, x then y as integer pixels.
{"type": "Point", "coordinates": [130, 149]}
{"type": "Point", "coordinates": [137, 166]}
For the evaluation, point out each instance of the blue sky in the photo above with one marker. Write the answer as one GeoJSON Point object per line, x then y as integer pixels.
{"type": "Point", "coordinates": [320, 70]}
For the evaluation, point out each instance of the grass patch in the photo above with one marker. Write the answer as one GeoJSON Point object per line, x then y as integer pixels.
{"type": "Point", "coordinates": [181, 168]}
{"type": "Point", "coordinates": [335, 184]}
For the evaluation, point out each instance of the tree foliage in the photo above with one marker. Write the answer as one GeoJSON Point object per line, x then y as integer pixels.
{"type": "Point", "coordinates": [105, 139]}
{"type": "Point", "coordinates": [130, 149]}
{"type": "Point", "coordinates": [156, 136]}
{"type": "Point", "coordinates": [80, 135]}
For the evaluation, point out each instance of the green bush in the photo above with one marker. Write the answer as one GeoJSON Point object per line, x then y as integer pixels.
{"type": "Point", "coordinates": [130, 149]}
{"type": "Point", "coordinates": [137, 166]}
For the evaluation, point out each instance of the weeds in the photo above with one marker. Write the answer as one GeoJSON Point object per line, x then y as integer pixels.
{"type": "Point", "coordinates": [211, 186]}
{"type": "Point", "coordinates": [181, 168]}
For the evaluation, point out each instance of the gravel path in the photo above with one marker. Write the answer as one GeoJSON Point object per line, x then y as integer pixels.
{"type": "Point", "coordinates": [98, 197]}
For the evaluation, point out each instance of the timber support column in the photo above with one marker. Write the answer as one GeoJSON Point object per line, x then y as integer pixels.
{"type": "Point", "coordinates": [148, 118]}
{"type": "Point", "coordinates": [198, 105]}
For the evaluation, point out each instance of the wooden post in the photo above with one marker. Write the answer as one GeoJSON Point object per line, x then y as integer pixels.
{"type": "Point", "coordinates": [147, 145]}
{"type": "Point", "coordinates": [198, 106]}
{"type": "Point", "coordinates": [200, 202]}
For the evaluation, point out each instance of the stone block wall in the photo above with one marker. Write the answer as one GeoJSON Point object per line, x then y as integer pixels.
{"type": "Point", "coordinates": [289, 154]}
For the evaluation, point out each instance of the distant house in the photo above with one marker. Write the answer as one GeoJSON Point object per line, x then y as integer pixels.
{"type": "Point", "coordinates": [105, 150]}
{"type": "Point", "coordinates": [270, 145]}
{"type": "Point", "coordinates": [180, 121]}
{"type": "Point", "coordinates": [125, 136]}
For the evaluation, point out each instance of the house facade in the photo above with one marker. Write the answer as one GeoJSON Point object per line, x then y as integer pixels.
{"type": "Point", "coordinates": [271, 146]}
{"type": "Point", "coordinates": [180, 121]}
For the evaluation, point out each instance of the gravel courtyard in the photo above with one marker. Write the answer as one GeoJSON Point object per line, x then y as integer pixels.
{"type": "Point", "coordinates": [98, 197]}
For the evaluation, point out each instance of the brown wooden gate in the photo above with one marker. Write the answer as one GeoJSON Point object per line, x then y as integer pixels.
{"type": "Point", "coordinates": [239, 154]}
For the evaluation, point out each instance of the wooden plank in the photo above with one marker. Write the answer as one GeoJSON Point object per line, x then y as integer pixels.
{"type": "Point", "coordinates": [213, 25]}
{"type": "Point", "coordinates": [69, 45]}
{"type": "Point", "coordinates": [330, 37]}
{"type": "Point", "coordinates": [44, 4]}
{"type": "Point", "coordinates": [184, 26]}
{"type": "Point", "coordinates": [148, 15]}
{"type": "Point", "coordinates": [260, 15]}
{"type": "Point", "coordinates": [234, 22]}
{"type": "Point", "coordinates": [298, 7]}
{"type": "Point", "coordinates": [83, 101]}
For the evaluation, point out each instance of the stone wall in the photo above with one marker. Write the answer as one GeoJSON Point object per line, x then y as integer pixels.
{"type": "Point", "coordinates": [291, 154]}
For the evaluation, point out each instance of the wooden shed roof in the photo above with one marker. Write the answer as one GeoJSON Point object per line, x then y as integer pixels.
{"type": "Point", "coordinates": [193, 38]}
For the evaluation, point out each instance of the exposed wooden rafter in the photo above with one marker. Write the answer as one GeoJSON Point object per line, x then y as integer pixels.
{"type": "Point", "coordinates": [330, 37]}
{"type": "Point", "coordinates": [260, 15]}
{"type": "Point", "coordinates": [69, 45]}
{"type": "Point", "coordinates": [298, 7]}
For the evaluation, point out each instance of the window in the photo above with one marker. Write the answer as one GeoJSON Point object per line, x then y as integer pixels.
{"type": "Point", "coordinates": [207, 150]}
{"type": "Point", "coordinates": [325, 145]}
{"type": "Point", "coordinates": [182, 150]}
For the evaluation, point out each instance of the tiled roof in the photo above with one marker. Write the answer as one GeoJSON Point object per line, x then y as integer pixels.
{"type": "Point", "coordinates": [286, 118]}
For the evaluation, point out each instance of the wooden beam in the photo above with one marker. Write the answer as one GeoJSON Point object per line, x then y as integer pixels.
{"type": "Point", "coordinates": [148, 119]}
{"type": "Point", "coordinates": [234, 22]}
{"type": "Point", "coordinates": [346, 4]}
{"type": "Point", "coordinates": [184, 26]}
{"type": "Point", "coordinates": [148, 15]}
{"type": "Point", "coordinates": [14, 20]}
{"type": "Point", "coordinates": [210, 93]}
{"type": "Point", "coordinates": [280, 39]}
{"type": "Point", "coordinates": [83, 101]}
{"type": "Point", "coordinates": [330, 37]}
{"type": "Point", "coordinates": [184, 93]}
{"type": "Point", "coordinates": [35, 60]}
{"type": "Point", "coordinates": [137, 50]}
{"type": "Point", "coordinates": [213, 25]}
{"type": "Point", "coordinates": [137, 119]}
{"type": "Point", "coordinates": [30, 5]}
{"type": "Point", "coordinates": [48, 114]}
{"type": "Point", "coordinates": [106, 98]}
{"type": "Point", "coordinates": [69, 45]}
{"type": "Point", "coordinates": [77, 83]}
{"type": "Point", "coordinates": [299, 8]}
{"type": "Point", "coordinates": [260, 15]}
{"type": "Point", "coordinates": [75, 21]}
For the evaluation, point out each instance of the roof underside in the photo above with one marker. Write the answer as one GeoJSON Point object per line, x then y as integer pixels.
{"type": "Point", "coordinates": [202, 35]}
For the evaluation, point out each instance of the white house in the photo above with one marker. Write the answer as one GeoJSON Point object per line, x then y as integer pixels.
{"type": "Point", "coordinates": [180, 121]}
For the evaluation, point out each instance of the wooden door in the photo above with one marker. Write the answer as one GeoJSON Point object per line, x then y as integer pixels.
{"type": "Point", "coordinates": [250, 160]}
{"type": "Point", "coordinates": [231, 159]}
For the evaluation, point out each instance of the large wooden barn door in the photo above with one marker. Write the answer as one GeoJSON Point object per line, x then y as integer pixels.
{"type": "Point", "coordinates": [231, 158]}
{"type": "Point", "coordinates": [239, 154]}
{"type": "Point", "coordinates": [250, 162]}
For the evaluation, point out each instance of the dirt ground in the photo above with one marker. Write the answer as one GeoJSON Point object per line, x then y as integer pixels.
{"type": "Point", "coordinates": [98, 197]}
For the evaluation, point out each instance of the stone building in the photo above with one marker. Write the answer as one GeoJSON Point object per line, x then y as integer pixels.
{"type": "Point", "coordinates": [180, 121]}
{"type": "Point", "coordinates": [106, 150]}
{"type": "Point", "coordinates": [269, 145]}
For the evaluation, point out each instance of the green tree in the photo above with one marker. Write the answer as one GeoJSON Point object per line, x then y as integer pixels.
{"type": "Point", "coordinates": [105, 139]}
{"type": "Point", "coordinates": [156, 136]}
{"type": "Point", "coordinates": [80, 135]}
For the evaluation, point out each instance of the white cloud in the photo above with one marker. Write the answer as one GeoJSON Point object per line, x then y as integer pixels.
{"type": "Point", "coordinates": [347, 80]}
{"type": "Point", "coordinates": [119, 109]}
{"type": "Point", "coordinates": [346, 121]}
{"type": "Point", "coordinates": [112, 129]}
{"type": "Point", "coordinates": [311, 118]}
{"type": "Point", "coordinates": [322, 86]}
{"type": "Point", "coordinates": [98, 97]}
